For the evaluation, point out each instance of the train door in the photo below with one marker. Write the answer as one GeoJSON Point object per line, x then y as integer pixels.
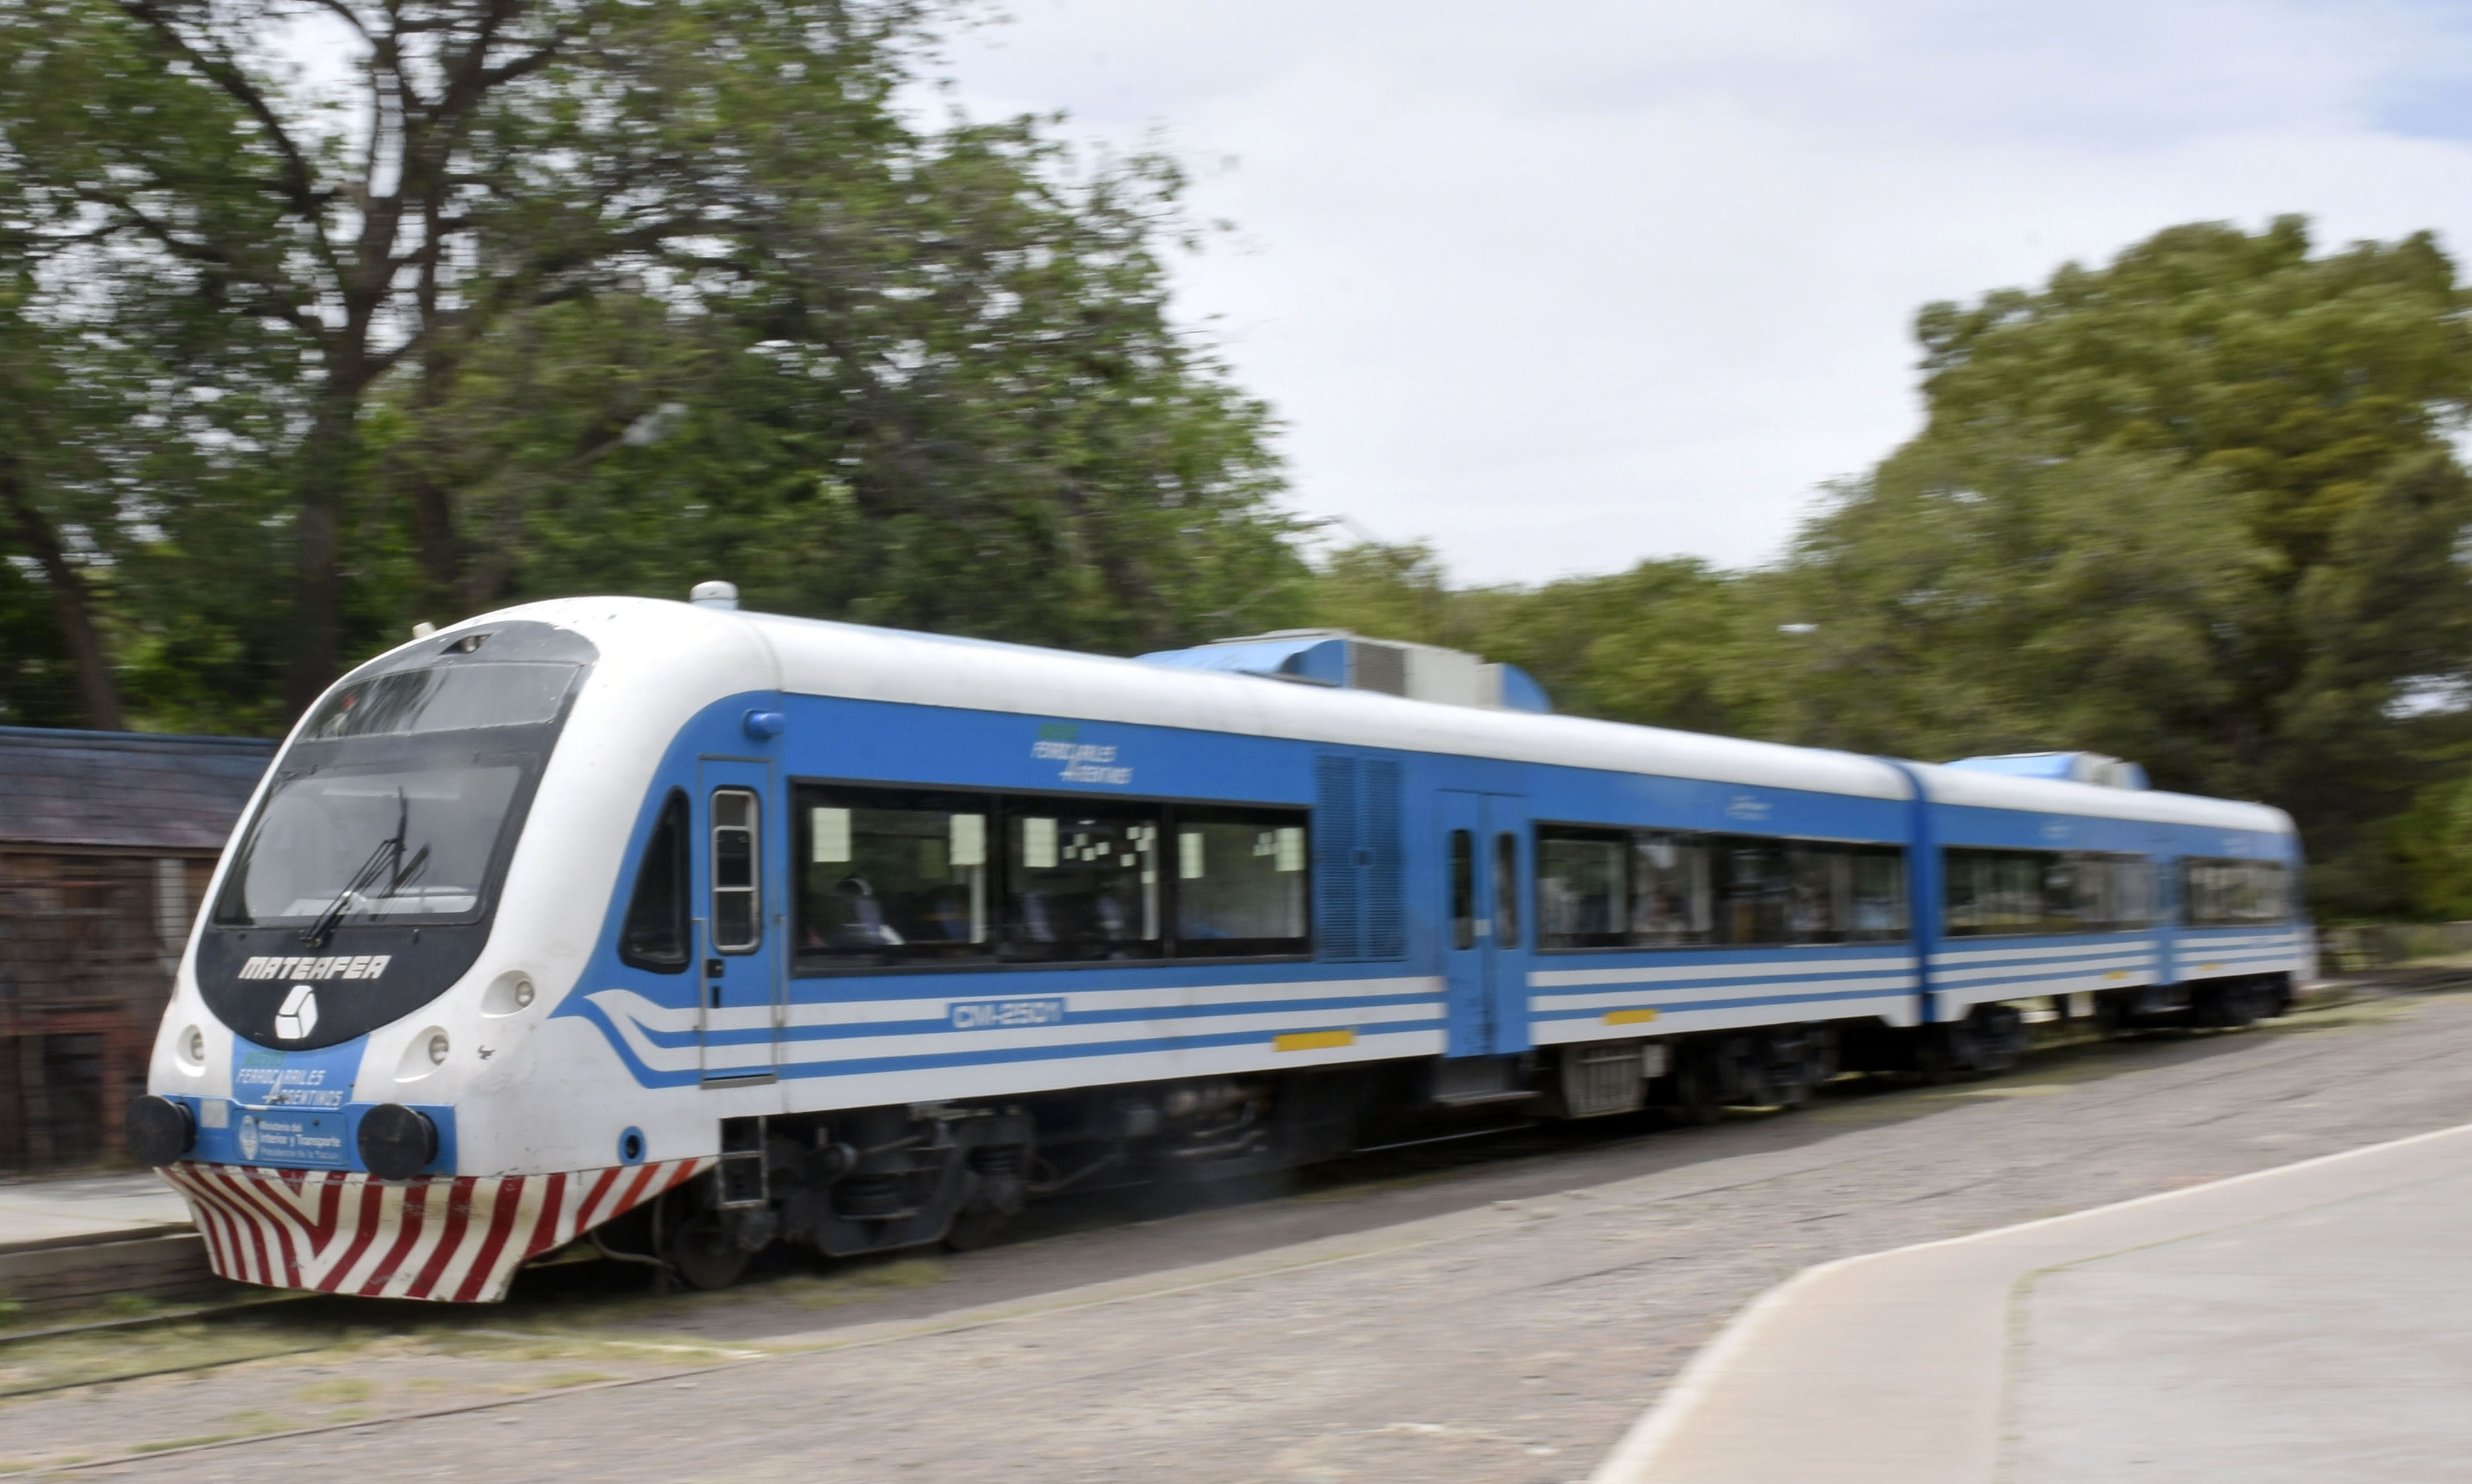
{"type": "Point", "coordinates": [738, 932]}
{"type": "Point", "coordinates": [1486, 934]}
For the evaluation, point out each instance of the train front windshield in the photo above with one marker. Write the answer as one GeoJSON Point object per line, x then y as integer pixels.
{"type": "Point", "coordinates": [396, 802]}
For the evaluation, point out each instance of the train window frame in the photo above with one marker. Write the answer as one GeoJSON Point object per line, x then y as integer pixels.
{"type": "Point", "coordinates": [1505, 888]}
{"type": "Point", "coordinates": [1001, 805]}
{"type": "Point", "coordinates": [1620, 841]}
{"type": "Point", "coordinates": [2075, 863]}
{"type": "Point", "coordinates": [812, 798]}
{"type": "Point", "coordinates": [1273, 824]}
{"type": "Point", "coordinates": [752, 827]}
{"type": "Point", "coordinates": [1709, 900]}
{"type": "Point", "coordinates": [2285, 885]}
{"type": "Point", "coordinates": [673, 832]}
{"type": "Point", "coordinates": [1461, 866]}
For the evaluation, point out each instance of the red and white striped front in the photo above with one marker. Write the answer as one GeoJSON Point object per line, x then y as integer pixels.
{"type": "Point", "coordinates": [451, 1237]}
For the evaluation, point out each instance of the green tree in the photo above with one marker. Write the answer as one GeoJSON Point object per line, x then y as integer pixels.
{"type": "Point", "coordinates": [1669, 643]}
{"type": "Point", "coordinates": [2198, 507]}
{"type": "Point", "coordinates": [568, 294]}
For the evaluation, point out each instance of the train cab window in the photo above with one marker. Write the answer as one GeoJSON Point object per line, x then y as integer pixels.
{"type": "Point", "coordinates": [1082, 881]}
{"type": "Point", "coordinates": [1462, 889]}
{"type": "Point", "coordinates": [1241, 882]}
{"type": "Point", "coordinates": [737, 893]}
{"type": "Point", "coordinates": [2219, 893]}
{"type": "Point", "coordinates": [1505, 889]}
{"type": "Point", "coordinates": [892, 876]}
{"type": "Point", "coordinates": [655, 934]}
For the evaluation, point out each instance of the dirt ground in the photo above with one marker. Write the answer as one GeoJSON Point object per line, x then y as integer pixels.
{"type": "Point", "coordinates": [1495, 1315]}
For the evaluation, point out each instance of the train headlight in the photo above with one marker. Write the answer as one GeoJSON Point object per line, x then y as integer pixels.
{"type": "Point", "coordinates": [423, 1054]}
{"type": "Point", "coordinates": [191, 1051]}
{"type": "Point", "coordinates": [510, 992]}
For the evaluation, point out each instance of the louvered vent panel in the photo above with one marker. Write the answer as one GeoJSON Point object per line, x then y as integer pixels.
{"type": "Point", "coordinates": [1385, 928]}
{"type": "Point", "coordinates": [1379, 667]}
{"type": "Point", "coordinates": [1339, 927]}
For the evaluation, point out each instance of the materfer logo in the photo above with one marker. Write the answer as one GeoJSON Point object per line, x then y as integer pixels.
{"type": "Point", "coordinates": [299, 1014]}
{"type": "Point", "coordinates": [364, 966]}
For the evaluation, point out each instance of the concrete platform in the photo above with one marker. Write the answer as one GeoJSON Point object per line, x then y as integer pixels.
{"type": "Point", "coordinates": [2306, 1323]}
{"type": "Point", "coordinates": [69, 1242]}
{"type": "Point", "coordinates": [89, 1206]}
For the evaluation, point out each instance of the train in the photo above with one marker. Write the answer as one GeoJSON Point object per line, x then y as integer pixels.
{"type": "Point", "coordinates": [669, 931]}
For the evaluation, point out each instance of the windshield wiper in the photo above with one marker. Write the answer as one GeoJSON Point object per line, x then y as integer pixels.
{"type": "Point", "coordinates": [386, 859]}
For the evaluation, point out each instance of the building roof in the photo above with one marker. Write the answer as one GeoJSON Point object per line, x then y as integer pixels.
{"type": "Point", "coordinates": [128, 790]}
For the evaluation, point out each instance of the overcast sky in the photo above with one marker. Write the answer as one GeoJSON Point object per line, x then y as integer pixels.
{"type": "Point", "coordinates": [1563, 285]}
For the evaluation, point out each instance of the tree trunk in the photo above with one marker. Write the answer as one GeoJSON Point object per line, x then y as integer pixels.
{"type": "Point", "coordinates": [71, 603]}
{"type": "Point", "coordinates": [317, 595]}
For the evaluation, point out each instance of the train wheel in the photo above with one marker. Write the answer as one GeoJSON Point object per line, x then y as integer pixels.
{"type": "Point", "coordinates": [1697, 1098]}
{"type": "Point", "coordinates": [700, 1247]}
{"type": "Point", "coordinates": [972, 1229]}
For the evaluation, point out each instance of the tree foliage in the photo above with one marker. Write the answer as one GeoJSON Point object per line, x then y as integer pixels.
{"type": "Point", "coordinates": [562, 295]}
{"type": "Point", "coordinates": [2198, 507]}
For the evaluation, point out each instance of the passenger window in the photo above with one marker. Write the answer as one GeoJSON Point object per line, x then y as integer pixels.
{"type": "Point", "coordinates": [1082, 881]}
{"type": "Point", "coordinates": [1756, 891]}
{"type": "Point", "coordinates": [1670, 903]}
{"type": "Point", "coordinates": [2220, 894]}
{"type": "Point", "coordinates": [655, 934]}
{"type": "Point", "coordinates": [1604, 887]}
{"type": "Point", "coordinates": [737, 915]}
{"type": "Point", "coordinates": [1462, 889]}
{"type": "Point", "coordinates": [1505, 888]}
{"type": "Point", "coordinates": [1990, 892]}
{"type": "Point", "coordinates": [892, 876]}
{"type": "Point", "coordinates": [1846, 894]}
{"type": "Point", "coordinates": [1580, 891]}
{"type": "Point", "coordinates": [1241, 882]}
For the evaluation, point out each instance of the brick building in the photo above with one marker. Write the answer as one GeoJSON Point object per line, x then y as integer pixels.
{"type": "Point", "coordinates": [107, 841]}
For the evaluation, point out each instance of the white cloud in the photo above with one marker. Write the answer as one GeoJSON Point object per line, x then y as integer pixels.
{"type": "Point", "coordinates": [1564, 286]}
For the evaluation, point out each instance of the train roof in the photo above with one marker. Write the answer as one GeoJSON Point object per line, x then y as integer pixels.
{"type": "Point", "coordinates": [859, 662]}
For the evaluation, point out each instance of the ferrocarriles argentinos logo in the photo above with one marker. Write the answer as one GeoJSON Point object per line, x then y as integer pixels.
{"type": "Point", "coordinates": [1060, 742]}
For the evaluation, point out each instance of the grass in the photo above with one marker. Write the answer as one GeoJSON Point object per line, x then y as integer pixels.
{"type": "Point", "coordinates": [247, 1425]}
{"type": "Point", "coordinates": [341, 1390]}
{"type": "Point", "coordinates": [864, 1283]}
{"type": "Point", "coordinates": [558, 1381]}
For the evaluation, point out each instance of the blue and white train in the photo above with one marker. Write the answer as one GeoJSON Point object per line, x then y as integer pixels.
{"type": "Point", "coordinates": [682, 931]}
